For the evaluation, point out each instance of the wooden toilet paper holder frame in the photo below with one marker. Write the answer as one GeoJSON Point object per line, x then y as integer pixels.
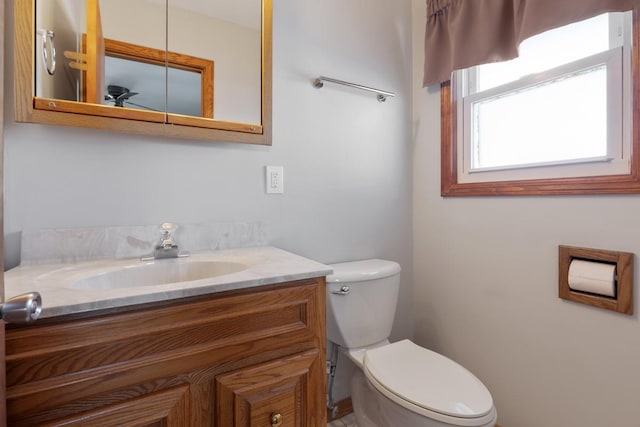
{"type": "Point", "coordinates": [622, 302]}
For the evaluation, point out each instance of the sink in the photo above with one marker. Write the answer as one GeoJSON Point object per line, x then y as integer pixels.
{"type": "Point", "coordinates": [85, 286]}
{"type": "Point", "coordinates": [160, 272]}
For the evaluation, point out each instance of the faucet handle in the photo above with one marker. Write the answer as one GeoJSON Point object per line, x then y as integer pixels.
{"type": "Point", "coordinates": [168, 227]}
{"type": "Point", "coordinates": [166, 247]}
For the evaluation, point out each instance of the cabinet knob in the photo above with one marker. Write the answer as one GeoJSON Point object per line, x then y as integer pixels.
{"type": "Point", "coordinates": [276, 419]}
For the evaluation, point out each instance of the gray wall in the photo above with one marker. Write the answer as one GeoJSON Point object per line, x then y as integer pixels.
{"type": "Point", "coordinates": [486, 285]}
{"type": "Point", "coordinates": [346, 157]}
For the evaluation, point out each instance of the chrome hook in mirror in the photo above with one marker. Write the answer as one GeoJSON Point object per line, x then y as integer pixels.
{"type": "Point", "coordinates": [48, 44]}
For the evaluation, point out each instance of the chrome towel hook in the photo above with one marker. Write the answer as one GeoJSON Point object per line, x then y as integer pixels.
{"type": "Point", "coordinates": [48, 50]}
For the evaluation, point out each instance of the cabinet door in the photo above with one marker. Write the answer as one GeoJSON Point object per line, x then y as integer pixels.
{"type": "Point", "coordinates": [166, 408]}
{"type": "Point", "coordinates": [278, 393]}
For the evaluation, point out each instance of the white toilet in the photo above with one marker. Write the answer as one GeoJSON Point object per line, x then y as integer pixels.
{"type": "Point", "coordinates": [399, 384]}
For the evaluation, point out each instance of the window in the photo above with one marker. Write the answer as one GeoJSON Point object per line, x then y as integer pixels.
{"type": "Point", "coordinates": [557, 120]}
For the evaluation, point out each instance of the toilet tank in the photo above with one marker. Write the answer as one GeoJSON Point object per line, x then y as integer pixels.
{"type": "Point", "coordinates": [363, 314]}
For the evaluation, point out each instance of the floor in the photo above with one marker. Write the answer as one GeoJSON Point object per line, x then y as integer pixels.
{"type": "Point", "coordinates": [346, 421]}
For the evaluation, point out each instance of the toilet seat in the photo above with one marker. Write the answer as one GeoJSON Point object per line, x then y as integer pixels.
{"type": "Point", "coordinates": [429, 384]}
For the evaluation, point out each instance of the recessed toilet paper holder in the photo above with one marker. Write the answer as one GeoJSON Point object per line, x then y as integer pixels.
{"type": "Point", "coordinates": [621, 300]}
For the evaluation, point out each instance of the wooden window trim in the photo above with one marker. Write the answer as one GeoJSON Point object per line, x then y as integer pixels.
{"type": "Point", "coordinates": [148, 55]}
{"type": "Point", "coordinates": [611, 184]}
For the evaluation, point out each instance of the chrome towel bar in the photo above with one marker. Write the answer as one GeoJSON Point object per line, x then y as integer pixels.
{"type": "Point", "coordinates": [382, 94]}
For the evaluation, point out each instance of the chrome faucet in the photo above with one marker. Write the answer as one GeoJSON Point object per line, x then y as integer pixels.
{"type": "Point", "coordinates": [166, 248]}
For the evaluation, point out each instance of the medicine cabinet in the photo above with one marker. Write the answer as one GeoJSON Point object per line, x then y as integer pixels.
{"type": "Point", "coordinates": [198, 69]}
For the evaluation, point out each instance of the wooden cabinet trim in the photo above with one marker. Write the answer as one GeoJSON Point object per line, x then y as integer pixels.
{"type": "Point", "coordinates": [106, 329]}
{"type": "Point", "coordinates": [168, 406]}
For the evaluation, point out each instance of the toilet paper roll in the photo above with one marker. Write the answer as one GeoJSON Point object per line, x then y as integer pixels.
{"type": "Point", "coordinates": [594, 277]}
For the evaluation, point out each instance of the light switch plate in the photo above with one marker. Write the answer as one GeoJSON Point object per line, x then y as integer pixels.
{"type": "Point", "coordinates": [274, 179]}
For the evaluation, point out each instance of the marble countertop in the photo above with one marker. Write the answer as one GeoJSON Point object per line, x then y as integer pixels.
{"type": "Point", "coordinates": [61, 295]}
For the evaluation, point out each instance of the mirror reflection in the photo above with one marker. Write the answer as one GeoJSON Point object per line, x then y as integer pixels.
{"type": "Point", "coordinates": [183, 96]}
{"type": "Point", "coordinates": [190, 88]}
{"type": "Point", "coordinates": [168, 41]}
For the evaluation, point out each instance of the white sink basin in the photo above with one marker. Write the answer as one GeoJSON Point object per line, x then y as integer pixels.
{"type": "Point", "coordinates": [103, 284]}
{"type": "Point", "coordinates": [161, 272]}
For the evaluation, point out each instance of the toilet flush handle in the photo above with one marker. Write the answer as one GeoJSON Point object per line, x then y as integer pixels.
{"type": "Point", "coordinates": [344, 290]}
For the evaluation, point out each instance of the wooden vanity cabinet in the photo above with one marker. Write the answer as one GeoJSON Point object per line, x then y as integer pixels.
{"type": "Point", "coordinates": [241, 358]}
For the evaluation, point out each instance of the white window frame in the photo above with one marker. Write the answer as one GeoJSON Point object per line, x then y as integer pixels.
{"type": "Point", "coordinates": [620, 116]}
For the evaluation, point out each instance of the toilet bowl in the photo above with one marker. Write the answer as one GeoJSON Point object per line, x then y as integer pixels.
{"type": "Point", "coordinates": [401, 383]}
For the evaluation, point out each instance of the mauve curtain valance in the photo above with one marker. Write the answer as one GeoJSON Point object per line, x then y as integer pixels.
{"type": "Point", "coordinates": [464, 33]}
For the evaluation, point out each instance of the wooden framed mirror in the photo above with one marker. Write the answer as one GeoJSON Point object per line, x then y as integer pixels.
{"type": "Point", "coordinates": [218, 116]}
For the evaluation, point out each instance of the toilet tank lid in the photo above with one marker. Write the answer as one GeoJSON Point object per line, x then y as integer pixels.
{"type": "Point", "coordinates": [357, 271]}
